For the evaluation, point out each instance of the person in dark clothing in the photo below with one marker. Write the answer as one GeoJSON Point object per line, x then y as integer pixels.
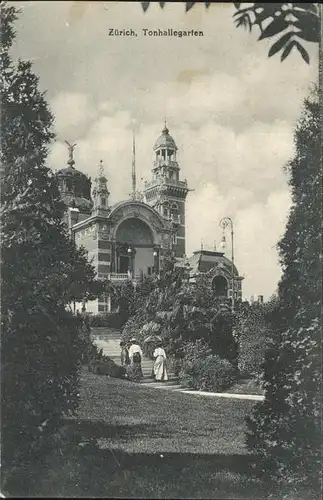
{"type": "Point", "coordinates": [125, 360]}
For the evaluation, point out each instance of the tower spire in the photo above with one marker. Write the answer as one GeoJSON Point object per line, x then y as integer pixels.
{"type": "Point", "coordinates": [101, 169]}
{"type": "Point", "coordinates": [165, 129]}
{"type": "Point", "coordinates": [100, 192]}
{"type": "Point", "coordinates": [133, 166]}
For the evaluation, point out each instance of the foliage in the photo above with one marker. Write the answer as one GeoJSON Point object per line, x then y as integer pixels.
{"type": "Point", "coordinates": [148, 298]}
{"type": "Point", "coordinates": [207, 372]}
{"type": "Point", "coordinates": [103, 365]}
{"type": "Point", "coordinates": [129, 297]}
{"type": "Point", "coordinates": [296, 22]}
{"type": "Point", "coordinates": [186, 313]}
{"type": "Point", "coordinates": [42, 270]}
{"type": "Point", "coordinates": [253, 334]}
{"type": "Point", "coordinates": [84, 336]}
{"type": "Point", "coordinates": [112, 320]}
{"type": "Point", "coordinates": [133, 326]}
{"type": "Point", "coordinates": [286, 429]}
{"type": "Point", "coordinates": [194, 351]}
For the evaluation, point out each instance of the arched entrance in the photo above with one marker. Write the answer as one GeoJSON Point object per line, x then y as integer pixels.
{"type": "Point", "coordinates": [135, 247]}
{"type": "Point", "coordinates": [220, 286]}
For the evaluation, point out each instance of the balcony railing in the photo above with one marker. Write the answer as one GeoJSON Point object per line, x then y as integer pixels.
{"type": "Point", "coordinates": [124, 277]}
{"type": "Point", "coordinates": [171, 182]}
{"type": "Point", "coordinates": [119, 276]}
{"type": "Point", "coordinates": [168, 163]}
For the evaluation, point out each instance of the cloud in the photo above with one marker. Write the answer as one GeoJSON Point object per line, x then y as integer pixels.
{"type": "Point", "coordinates": [73, 112]}
{"type": "Point", "coordinates": [257, 228]}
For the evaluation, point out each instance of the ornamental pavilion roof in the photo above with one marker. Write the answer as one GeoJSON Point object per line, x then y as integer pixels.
{"type": "Point", "coordinates": [165, 140]}
{"type": "Point", "coordinates": [202, 261]}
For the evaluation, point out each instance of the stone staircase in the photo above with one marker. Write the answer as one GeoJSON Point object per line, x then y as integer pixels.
{"type": "Point", "coordinates": [108, 339]}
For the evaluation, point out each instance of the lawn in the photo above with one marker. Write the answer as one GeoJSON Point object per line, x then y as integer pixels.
{"type": "Point", "coordinates": [130, 441]}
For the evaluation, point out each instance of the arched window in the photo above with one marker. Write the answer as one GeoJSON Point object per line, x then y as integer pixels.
{"type": "Point", "coordinates": [220, 286]}
{"type": "Point", "coordinates": [175, 212]}
{"type": "Point", "coordinates": [166, 209]}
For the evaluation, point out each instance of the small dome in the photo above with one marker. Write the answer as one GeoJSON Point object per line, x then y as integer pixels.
{"type": "Point", "coordinates": [165, 140]}
{"type": "Point", "coordinates": [69, 172]}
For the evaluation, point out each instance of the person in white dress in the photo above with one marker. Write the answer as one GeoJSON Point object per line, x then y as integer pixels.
{"type": "Point", "coordinates": [160, 369]}
{"type": "Point", "coordinates": [134, 347]}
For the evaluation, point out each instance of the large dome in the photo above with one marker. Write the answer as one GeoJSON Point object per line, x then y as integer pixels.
{"type": "Point", "coordinates": [75, 188]}
{"type": "Point", "coordinates": [165, 140]}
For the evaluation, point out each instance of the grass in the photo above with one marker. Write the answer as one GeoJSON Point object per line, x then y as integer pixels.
{"type": "Point", "coordinates": [146, 419]}
{"type": "Point", "coordinates": [130, 441]}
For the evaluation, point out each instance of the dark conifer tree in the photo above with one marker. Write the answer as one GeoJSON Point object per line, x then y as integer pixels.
{"type": "Point", "coordinates": [286, 428]}
{"type": "Point", "coordinates": [42, 270]}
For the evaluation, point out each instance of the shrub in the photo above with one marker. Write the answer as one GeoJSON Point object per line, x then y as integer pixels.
{"type": "Point", "coordinates": [133, 326]}
{"type": "Point", "coordinates": [106, 366]}
{"type": "Point", "coordinates": [253, 334]}
{"type": "Point", "coordinates": [252, 348]}
{"type": "Point", "coordinates": [194, 351]}
{"type": "Point", "coordinates": [209, 373]}
{"type": "Point", "coordinates": [112, 320]}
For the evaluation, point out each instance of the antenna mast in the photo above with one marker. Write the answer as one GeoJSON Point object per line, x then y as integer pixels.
{"type": "Point", "coordinates": [133, 166]}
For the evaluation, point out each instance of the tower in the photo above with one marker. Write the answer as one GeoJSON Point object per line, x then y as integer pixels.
{"type": "Point", "coordinates": [166, 192]}
{"type": "Point", "coordinates": [100, 193]}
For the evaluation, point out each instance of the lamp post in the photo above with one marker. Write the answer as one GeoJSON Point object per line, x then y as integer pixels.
{"type": "Point", "coordinates": [156, 261]}
{"type": "Point", "coordinates": [224, 223]}
{"type": "Point", "coordinates": [131, 253]}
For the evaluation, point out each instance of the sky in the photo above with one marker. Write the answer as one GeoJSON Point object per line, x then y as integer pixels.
{"type": "Point", "coordinates": [230, 109]}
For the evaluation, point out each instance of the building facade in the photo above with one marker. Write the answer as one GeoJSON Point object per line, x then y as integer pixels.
{"type": "Point", "coordinates": [130, 239]}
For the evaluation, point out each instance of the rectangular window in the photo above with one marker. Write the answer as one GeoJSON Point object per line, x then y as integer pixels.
{"type": "Point", "coordinates": [103, 202]}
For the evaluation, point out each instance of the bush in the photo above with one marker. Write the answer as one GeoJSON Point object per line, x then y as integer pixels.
{"type": "Point", "coordinates": [210, 373]}
{"type": "Point", "coordinates": [252, 348]}
{"type": "Point", "coordinates": [133, 327]}
{"type": "Point", "coordinates": [112, 320]}
{"type": "Point", "coordinates": [194, 351]}
{"type": "Point", "coordinates": [106, 366]}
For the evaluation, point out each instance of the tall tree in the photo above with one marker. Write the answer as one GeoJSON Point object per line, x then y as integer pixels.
{"type": "Point", "coordinates": [286, 428]}
{"type": "Point", "coordinates": [42, 270]}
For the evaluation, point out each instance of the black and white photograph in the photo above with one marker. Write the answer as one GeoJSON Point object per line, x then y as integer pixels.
{"type": "Point", "coordinates": [161, 250]}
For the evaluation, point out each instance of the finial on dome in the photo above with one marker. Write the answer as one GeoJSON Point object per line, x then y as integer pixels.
{"type": "Point", "coordinates": [71, 147]}
{"type": "Point", "coordinates": [165, 129]}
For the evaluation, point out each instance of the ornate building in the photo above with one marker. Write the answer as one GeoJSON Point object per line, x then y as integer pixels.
{"type": "Point", "coordinates": [166, 192]}
{"type": "Point", "coordinates": [218, 270]}
{"type": "Point", "coordinates": [130, 238]}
